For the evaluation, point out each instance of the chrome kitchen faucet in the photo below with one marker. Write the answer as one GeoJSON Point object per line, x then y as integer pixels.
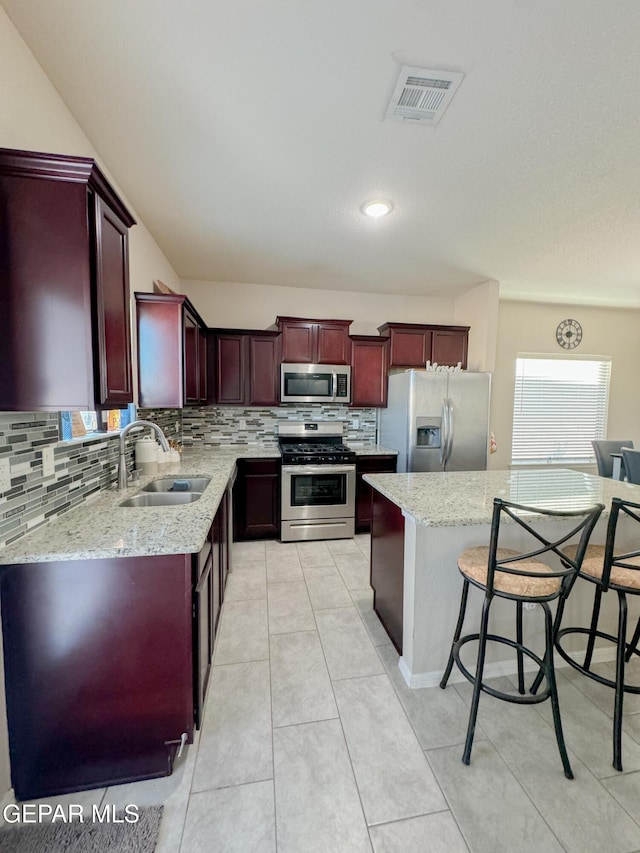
{"type": "Point", "coordinates": [122, 465]}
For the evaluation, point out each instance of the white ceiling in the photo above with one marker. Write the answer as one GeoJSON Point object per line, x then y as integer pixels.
{"type": "Point", "coordinates": [247, 133]}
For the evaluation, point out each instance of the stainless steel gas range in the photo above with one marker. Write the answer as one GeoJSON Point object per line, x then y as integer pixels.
{"type": "Point", "coordinates": [318, 482]}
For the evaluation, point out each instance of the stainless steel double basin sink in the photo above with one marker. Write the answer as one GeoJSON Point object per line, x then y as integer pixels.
{"type": "Point", "coordinates": [169, 491]}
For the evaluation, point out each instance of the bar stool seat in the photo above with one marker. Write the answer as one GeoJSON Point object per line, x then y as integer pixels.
{"type": "Point", "coordinates": [474, 564]}
{"type": "Point", "coordinates": [520, 577]}
{"type": "Point", "coordinates": [593, 565]}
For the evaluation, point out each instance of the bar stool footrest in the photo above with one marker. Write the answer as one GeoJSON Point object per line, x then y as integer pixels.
{"type": "Point", "coordinates": [601, 679]}
{"type": "Point", "coordinates": [517, 699]}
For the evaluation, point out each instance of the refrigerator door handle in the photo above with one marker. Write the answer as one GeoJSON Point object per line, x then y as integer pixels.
{"type": "Point", "coordinates": [444, 437]}
{"type": "Point", "coordinates": [449, 431]}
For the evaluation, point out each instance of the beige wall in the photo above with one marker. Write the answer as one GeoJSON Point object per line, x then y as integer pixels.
{"type": "Point", "coordinates": [256, 306]}
{"type": "Point", "coordinates": [531, 327]}
{"type": "Point", "coordinates": [34, 117]}
{"type": "Point", "coordinates": [479, 309]}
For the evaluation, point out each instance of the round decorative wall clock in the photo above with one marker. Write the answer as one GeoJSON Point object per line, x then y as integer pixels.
{"type": "Point", "coordinates": [569, 334]}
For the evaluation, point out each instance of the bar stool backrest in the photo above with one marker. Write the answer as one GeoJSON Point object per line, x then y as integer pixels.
{"type": "Point", "coordinates": [621, 560]}
{"type": "Point", "coordinates": [579, 522]}
{"type": "Point", "coordinates": [631, 460]}
{"type": "Point", "coordinates": [603, 451]}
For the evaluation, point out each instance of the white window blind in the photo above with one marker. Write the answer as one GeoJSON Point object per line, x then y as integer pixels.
{"type": "Point", "coordinates": [560, 406]}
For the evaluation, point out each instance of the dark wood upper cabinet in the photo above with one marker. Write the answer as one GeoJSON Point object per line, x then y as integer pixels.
{"type": "Point", "coordinates": [191, 331]}
{"type": "Point", "coordinates": [230, 386]}
{"type": "Point", "coordinates": [315, 341]}
{"type": "Point", "coordinates": [170, 351]}
{"type": "Point", "coordinates": [412, 345]}
{"type": "Point", "coordinates": [409, 346]}
{"type": "Point", "coordinates": [65, 339]}
{"type": "Point", "coordinates": [247, 367]}
{"type": "Point", "coordinates": [264, 373]}
{"type": "Point", "coordinates": [368, 370]}
{"type": "Point", "coordinates": [202, 364]}
{"type": "Point", "coordinates": [449, 346]}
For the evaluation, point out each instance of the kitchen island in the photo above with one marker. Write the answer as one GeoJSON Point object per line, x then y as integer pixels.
{"type": "Point", "coordinates": [421, 523]}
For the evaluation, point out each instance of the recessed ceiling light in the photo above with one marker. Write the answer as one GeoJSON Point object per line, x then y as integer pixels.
{"type": "Point", "coordinates": [376, 208]}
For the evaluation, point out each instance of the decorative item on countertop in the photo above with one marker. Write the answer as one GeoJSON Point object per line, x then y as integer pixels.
{"type": "Point", "coordinates": [493, 445]}
{"type": "Point", "coordinates": [443, 368]}
{"type": "Point", "coordinates": [113, 420]}
{"type": "Point", "coordinates": [146, 455]}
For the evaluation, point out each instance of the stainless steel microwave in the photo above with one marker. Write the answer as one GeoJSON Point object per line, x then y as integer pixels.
{"type": "Point", "coordinates": [315, 383]}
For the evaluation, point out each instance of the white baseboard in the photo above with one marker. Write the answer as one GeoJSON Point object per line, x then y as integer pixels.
{"type": "Point", "coordinates": [492, 670]}
{"type": "Point", "coordinates": [8, 800]}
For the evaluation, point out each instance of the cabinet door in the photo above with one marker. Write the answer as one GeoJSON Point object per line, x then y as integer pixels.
{"type": "Point", "coordinates": [299, 342]}
{"type": "Point", "coordinates": [221, 527]}
{"type": "Point", "coordinates": [230, 369]}
{"type": "Point", "coordinates": [204, 629]}
{"type": "Point", "coordinates": [334, 346]}
{"type": "Point", "coordinates": [409, 347]}
{"type": "Point", "coordinates": [191, 358]}
{"type": "Point", "coordinates": [256, 500]}
{"type": "Point", "coordinates": [368, 371]}
{"type": "Point", "coordinates": [113, 350]}
{"type": "Point", "coordinates": [160, 351]}
{"type": "Point", "coordinates": [449, 348]}
{"type": "Point", "coordinates": [104, 710]}
{"type": "Point", "coordinates": [202, 366]}
{"type": "Point", "coordinates": [264, 372]}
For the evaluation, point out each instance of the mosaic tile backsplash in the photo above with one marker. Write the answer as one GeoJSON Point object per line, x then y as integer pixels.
{"type": "Point", "coordinates": [81, 467]}
{"type": "Point", "coordinates": [217, 425]}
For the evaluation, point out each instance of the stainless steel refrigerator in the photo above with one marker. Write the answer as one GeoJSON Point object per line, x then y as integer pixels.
{"type": "Point", "coordinates": [437, 421]}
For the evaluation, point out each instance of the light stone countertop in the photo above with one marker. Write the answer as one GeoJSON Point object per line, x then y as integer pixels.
{"type": "Point", "coordinates": [100, 529]}
{"type": "Point", "coordinates": [461, 498]}
{"type": "Point", "coordinates": [371, 449]}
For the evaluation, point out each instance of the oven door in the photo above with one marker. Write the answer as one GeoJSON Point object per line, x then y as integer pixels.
{"type": "Point", "coordinates": [318, 491]}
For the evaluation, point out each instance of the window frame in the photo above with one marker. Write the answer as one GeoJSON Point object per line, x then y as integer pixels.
{"type": "Point", "coordinates": [523, 436]}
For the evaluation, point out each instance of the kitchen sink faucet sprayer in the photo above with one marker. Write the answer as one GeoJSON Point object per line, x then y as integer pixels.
{"type": "Point", "coordinates": [122, 465]}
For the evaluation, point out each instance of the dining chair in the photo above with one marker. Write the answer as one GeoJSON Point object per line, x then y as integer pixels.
{"type": "Point", "coordinates": [631, 459]}
{"type": "Point", "coordinates": [610, 568]}
{"type": "Point", "coordinates": [523, 578]}
{"type": "Point", "coordinates": [603, 451]}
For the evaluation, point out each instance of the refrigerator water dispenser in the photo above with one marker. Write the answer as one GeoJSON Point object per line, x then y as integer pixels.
{"type": "Point", "coordinates": [428, 432]}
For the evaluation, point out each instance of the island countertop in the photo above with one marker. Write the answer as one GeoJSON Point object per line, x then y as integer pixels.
{"type": "Point", "coordinates": [462, 498]}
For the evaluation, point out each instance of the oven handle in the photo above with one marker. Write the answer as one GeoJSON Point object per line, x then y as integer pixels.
{"type": "Point", "coordinates": [318, 469]}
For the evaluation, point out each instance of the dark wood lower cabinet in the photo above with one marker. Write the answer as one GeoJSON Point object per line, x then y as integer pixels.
{"type": "Point", "coordinates": [387, 565]}
{"type": "Point", "coordinates": [98, 670]}
{"type": "Point", "coordinates": [107, 663]}
{"type": "Point", "coordinates": [256, 500]}
{"type": "Point", "coordinates": [369, 465]}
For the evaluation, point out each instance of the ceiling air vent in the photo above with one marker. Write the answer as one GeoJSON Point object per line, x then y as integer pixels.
{"type": "Point", "coordinates": [422, 94]}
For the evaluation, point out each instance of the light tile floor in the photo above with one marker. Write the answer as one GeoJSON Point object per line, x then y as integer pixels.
{"type": "Point", "coordinates": [313, 742]}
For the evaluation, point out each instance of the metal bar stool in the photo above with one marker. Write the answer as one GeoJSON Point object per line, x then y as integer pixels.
{"type": "Point", "coordinates": [520, 577]}
{"type": "Point", "coordinates": [608, 568]}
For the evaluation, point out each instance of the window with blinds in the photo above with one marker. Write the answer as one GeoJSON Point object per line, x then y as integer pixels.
{"type": "Point", "coordinates": [560, 405]}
